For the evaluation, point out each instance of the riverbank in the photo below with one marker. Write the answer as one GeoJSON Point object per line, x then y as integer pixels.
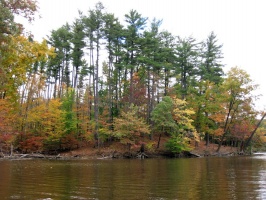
{"type": "Point", "coordinates": [120, 151]}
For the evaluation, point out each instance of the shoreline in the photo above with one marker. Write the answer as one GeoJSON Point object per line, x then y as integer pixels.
{"type": "Point", "coordinates": [115, 155]}
{"type": "Point", "coordinates": [116, 152]}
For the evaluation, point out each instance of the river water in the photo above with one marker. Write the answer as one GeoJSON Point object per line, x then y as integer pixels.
{"type": "Point", "coordinates": [159, 179]}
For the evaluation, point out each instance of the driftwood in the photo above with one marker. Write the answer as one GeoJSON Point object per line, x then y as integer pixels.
{"type": "Point", "coordinates": [142, 155]}
{"type": "Point", "coordinates": [194, 154]}
{"type": "Point", "coordinates": [31, 156]}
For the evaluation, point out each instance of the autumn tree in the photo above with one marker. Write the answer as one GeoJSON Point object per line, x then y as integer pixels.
{"type": "Point", "coordinates": [173, 116]}
{"type": "Point", "coordinates": [19, 58]}
{"type": "Point", "coordinates": [180, 138]}
{"type": "Point", "coordinates": [205, 99]}
{"type": "Point", "coordinates": [252, 134]}
{"type": "Point", "coordinates": [8, 10]}
{"type": "Point", "coordinates": [9, 34]}
{"type": "Point", "coordinates": [129, 127]}
{"type": "Point", "coordinates": [204, 95]}
{"type": "Point", "coordinates": [53, 125]}
{"type": "Point", "coordinates": [238, 98]}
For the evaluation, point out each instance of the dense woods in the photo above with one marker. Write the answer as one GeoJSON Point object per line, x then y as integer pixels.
{"type": "Point", "coordinates": [102, 79]}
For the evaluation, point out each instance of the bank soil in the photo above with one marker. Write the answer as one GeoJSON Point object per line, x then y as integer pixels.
{"type": "Point", "coordinates": [145, 150]}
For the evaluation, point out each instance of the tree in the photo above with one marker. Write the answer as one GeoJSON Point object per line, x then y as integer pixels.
{"type": "Point", "coordinates": [211, 68]}
{"type": "Point", "coordinates": [53, 125]}
{"type": "Point", "coordinates": [180, 138]}
{"type": "Point", "coordinates": [129, 127]}
{"type": "Point", "coordinates": [113, 32]}
{"type": "Point", "coordinates": [162, 117]}
{"type": "Point", "coordinates": [18, 61]}
{"type": "Point", "coordinates": [254, 131]}
{"type": "Point", "coordinates": [237, 91]}
{"type": "Point", "coordinates": [151, 61]}
{"type": "Point", "coordinates": [173, 117]}
{"type": "Point", "coordinates": [205, 99]}
{"type": "Point", "coordinates": [69, 117]}
{"type": "Point", "coordinates": [136, 24]}
{"type": "Point", "coordinates": [10, 8]}
{"type": "Point", "coordinates": [186, 64]}
{"type": "Point", "coordinates": [94, 27]}
{"type": "Point", "coordinates": [182, 115]}
{"type": "Point", "coordinates": [25, 8]}
{"type": "Point", "coordinates": [7, 24]}
{"type": "Point", "coordinates": [79, 66]}
{"type": "Point", "coordinates": [167, 54]}
{"type": "Point", "coordinates": [59, 66]}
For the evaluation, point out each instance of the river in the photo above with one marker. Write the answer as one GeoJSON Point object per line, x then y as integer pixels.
{"type": "Point", "coordinates": [160, 179]}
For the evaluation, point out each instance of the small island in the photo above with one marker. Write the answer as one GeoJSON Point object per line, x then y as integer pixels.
{"type": "Point", "coordinates": [103, 88]}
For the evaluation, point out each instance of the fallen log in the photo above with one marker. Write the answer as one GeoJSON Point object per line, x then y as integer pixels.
{"type": "Point", "coordinates": [195, 155]}
{"type": "Point", "coordinates": [32, 156]}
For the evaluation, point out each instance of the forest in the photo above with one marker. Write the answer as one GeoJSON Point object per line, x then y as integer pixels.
{"type": "Point", "coordinates": [102, 80]}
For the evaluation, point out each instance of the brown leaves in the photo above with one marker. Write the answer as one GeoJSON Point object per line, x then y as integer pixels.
{"type": "Point", "coordinates": [24, 8]}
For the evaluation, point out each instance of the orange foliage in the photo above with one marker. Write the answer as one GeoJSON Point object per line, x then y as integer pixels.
{"type": "Point", "coordinates": [31, 145]}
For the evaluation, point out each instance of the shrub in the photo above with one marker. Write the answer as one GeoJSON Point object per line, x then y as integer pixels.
{"type": "Point", "coordinates": [178, 144]}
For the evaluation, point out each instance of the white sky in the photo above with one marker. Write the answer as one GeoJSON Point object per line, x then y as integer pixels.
{"type": "Point", "coordinates": [238, 24]}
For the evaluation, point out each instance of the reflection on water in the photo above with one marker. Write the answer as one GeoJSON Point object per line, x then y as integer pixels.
{"type": "Point", "coordinates": [199, 178]}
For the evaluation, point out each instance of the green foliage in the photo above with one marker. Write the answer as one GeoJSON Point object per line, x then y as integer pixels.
{"type": "Point", "coordinates": [178, 144]}
{"type": "Point", "coordinates": [69, 116]}
{"type": "Point", "coordinates": [162, 116]}
{"type": "Point", "coordinates": [187, 53]}
{"type": "Point", "coordinates": [211, 68]}
{"type": "Point", "coordinates": [172, 115]}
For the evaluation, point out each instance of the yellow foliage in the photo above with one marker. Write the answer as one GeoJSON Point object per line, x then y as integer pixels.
{"type": "Point", "coordinates": [52, 119]}
{"type": "Point", "coordinates": [18, 58]}
{"type": "Point", "coordinates": [130, 126]}
{"type": "Point", "coordinates": [182, 114]}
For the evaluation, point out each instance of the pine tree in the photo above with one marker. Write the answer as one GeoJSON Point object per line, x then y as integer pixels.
{"type": "Point", "coordinates": [211, 55]}
{"type": "Point", "coordinates": [186, 64]}
{"type": "Point", "coordinates": [59, 66]}
{"type": "Point", "coordinates": [94, 31]}
{"type": "Point", "coordinates": [135, 25]}
{"type": "Point", "coordinates": [77, 40]}
{"type": "Point", "coordinates": [112, 34]}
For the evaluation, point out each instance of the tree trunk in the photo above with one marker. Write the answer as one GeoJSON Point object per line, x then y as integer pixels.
{"type": "Point", "coordinates": [96, 97]}
{"type": "Point", "coordinates": [226, 128]}
{"type": "Point", "coordinates": [207, 139]}
{"type": "Point", "coordinates": [253, 132]}
{"type": "Point", "coordinates": [159, 140]}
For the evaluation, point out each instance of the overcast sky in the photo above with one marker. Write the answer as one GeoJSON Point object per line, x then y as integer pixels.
{"type": "Point", "coordinates": [238, 24]}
